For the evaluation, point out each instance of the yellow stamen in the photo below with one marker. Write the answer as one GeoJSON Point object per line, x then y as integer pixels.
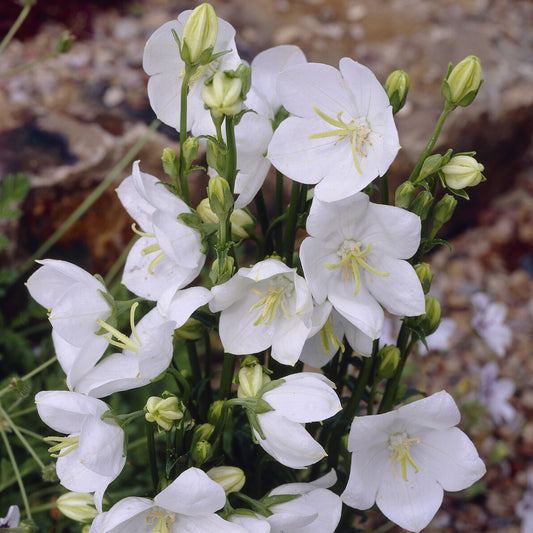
{"type": "Point", "coordinates": [137, 231]}
{"type": "Point", "coordinates": [123, 342]}
{"type": "Point", "coordinates": [66, 444]}
{"type": "Point", "coordinates": [400, 447]}
{"type": "Point", "coordinates": [270, 301]}
{"type": "Point", "coordinates": [356, 132]}
{"type": "Point", "coordinates": [328, 337]}
{"type": "Point", "coordinates": [161, 521]}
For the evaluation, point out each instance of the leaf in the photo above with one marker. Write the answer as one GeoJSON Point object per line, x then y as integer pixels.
{"type": "Point", "coordinates": [13, 189]}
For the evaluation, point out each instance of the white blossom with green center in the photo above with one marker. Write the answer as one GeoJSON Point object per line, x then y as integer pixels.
{"type": "Point", "coordinates": [267, 305]}
{"type": "Point", "coordinates": [403, 460]}
{"type": "Point", "coordinates": [355, 257]}
{"type": "Point", "coordinates": [340, 135]}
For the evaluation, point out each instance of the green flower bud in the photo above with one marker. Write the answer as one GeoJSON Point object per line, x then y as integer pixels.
{"type": "Point", "coordinates": [64, 44]}
{"type": "Point", "coordinates": [423, 271]}
{"type": "Point", "coordinates": [397, 87]}
{"type": "Point", "coordinates": [203, 432]}
{"type": "Point", "coordinates": [171, 162]}
{"type": "Point", "coordinates": [192, 330]}
{"type": "Point", "coordinates": [422, 204]}
{"type": "Point", "coordinates": [215, 156]}
{"type": "Point", "coordinates": [404, 195]}
{"type": "Point", "coordinates": [164, 411]}
{"type": "Point", "coordinates": [463, 82]}
{"type": "Point", "coordinates": [225, 274]}
{"type": "Point", "coordinates": [244, 73]}
{"type": "Point", "coordinates": [251, 378]}
{"type": "Point", "coordinates": [199, 34]}
{"type": "Point", "coordinates": [431, 319]}
{"type": "Point", "coordinates": [78, 507]}
{"type": "Point", "coordinates": [220, 197]}
{"type": "Point", "coordinates": [215, 412]}
{"type": "Point", "coordinates": [201, 452]}
{"type": "Point", "coordinates": [242, 224]}
{"type": "Point", "coordinates": [430, 165]}
{"type": "Point", "coordinates": [223, 95]}
{"type": "Point", "coordinates": [189, 151]}
{"type": "Point", "coordinates": [230, 478]}
{"type": "Point", "coordinates": [462, 171]}
{"type": "Point", "coordinates": [443, 211]}
{"type": "Point", "coordinates": [388, 359]}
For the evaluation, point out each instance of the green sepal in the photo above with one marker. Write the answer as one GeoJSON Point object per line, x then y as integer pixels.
{"type": "Point", "coordinates": [271, 385]}
{"type": "Point", "coordinates": [280, 115]}
{"type": "Point", "coordinates": [269, 501]}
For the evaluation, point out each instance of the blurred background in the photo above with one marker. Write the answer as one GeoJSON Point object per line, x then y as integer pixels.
{"type": "Point", "coordinates": [68, 121]}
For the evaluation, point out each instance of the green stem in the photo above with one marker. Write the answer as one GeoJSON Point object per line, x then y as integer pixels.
{"type": "Point", "coordinates": [21, 437]}
{"type": "Point", "coordinates": [90, 200]}
{"type": "Point", "coordinates": [28, 65]}
{"type": "Point", "coordinates": [31, 374]}
{"type": "Point", "coordinates": [290, 229]}
{"type": "Point", "coordinates": [184, 186]}
{"type": "Point", "coordinates": [228, 367]}
{"type": "Point", "coordinates": [152, 461]}
{"type": "Point", "coordinates": [384, 183]}
{"type": "Point", "coordinates": [278, 234]}
{"type": "Point", "coordinates": [231, 160]}
{"type": "Point", "coordinates": [431, 143]}
{"type": "Point", "coordinates": [17, 24]}
{"type": "Point", "coordinates": [262, 215]}
{"type": "Point", "coordinates": [182, 381]}
{"type": "Point", "coordinates": [196, 371]}
{"type": "Point", "coordinates": [16, 472]}
{"type": "Point", "coordinates": [119, 263]}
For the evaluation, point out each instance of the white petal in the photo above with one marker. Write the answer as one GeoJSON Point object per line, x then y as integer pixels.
{"type": "Point", "coordinates": [230, 292]}
{"type": "Point", "coordinates": [288, 339]}
{"type": "Point", "coordinates": [251, 524]}
{"type": "Point", "coordinates": [125, 516]}
{"type": "Point", "coordinates": [437, 411]}
{"type": "Point", "coordinates": [205, 524]}
{"type": "Point", "coordinates": [180, 305]}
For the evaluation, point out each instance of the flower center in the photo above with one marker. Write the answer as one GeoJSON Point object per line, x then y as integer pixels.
{"type": "Point", "coordinates": [358, 133]}
{"type": "Point", "coordinates": [328, 337]}
{"type": "Point", "coordinates": [160, 521]}
{"type": "Point", "coordinates": [352, 257]}
{"type": "Point", "coordinates": [64, 445]}
{"type": "Point", "coordinates": [150, 249]}
{"type": "Point", "coordinates": [400, 452]}
{"type": "Point", "coordinates": [273, 299]}
{"type": "Point", "coordinates": [123, 342]}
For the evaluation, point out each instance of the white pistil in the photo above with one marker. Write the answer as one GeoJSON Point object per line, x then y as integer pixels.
{"type": "Point", "coordinates": [123, 342]}
{"type": "Point", "coordinates": [400, 448]}
{"type": "Point", "coordinates": [357, 133]}
{"type": "Point", "coordinates": [161, 521]}
{"type": "Point", "coordinates": [352, 257]}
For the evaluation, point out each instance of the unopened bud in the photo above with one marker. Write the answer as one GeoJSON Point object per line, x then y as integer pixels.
{"type": "Point", "coordinates": [242, 224]}
{"type": "Point", "coordinates": [462, 171]}
{"type": "Point", "coordinates": [388, 359]}
{"type": "Point", "coordinates": [223, 95]}
{"type": "Point", "coordinates": [206, 213]}
{"type": "Point", "coordinates": [397, 87]}
{"type": "Point", "coordinates": [431, 319]}
{"type": "Point", "coordinates": [225, 273]}
{"type": "Point", "coordinates": [215, 156]}
{"type": "Point", "coordinates": [462, 82]}
{"type": "Point", "coordinates": [220, 197]}
{"type": "Point", "coordinates": [404, 195]}
{"type": "Point", "coordinates": [230, 478]}
{"type": "Point", "coordinates": [430, 165]}
{"type": "Point", "coordinates": [201, 452]}
{"type": "Point", "coordinates": [444, 209]}
{"type": "Point", "coordinates": [171, 162]}
{"type": "Point", "coordinates": [423, 271]}
{"type": "Point", "coordinates": [215, 412]}
{"type": "Point", "coordinates": [192, 330]}
{"type": "Point", "coordinates": [164, 411]}
{"type": "Point", "coordinates": [244, 73]}
{"type": "Point", "coordinates": [189, 150]}
{"type": "Point", "coordinates": [78, 507]}
{"type": "Point", "coordinates": [251, 378]}
{"type": "Point", "coordinates": [422, 204]}
{"type": "Point", "coordinates": [203, 432]}
{"type": "Point", "coordinates": [199, 34]}
{"type": "Point", "coordinates": [64, 44]}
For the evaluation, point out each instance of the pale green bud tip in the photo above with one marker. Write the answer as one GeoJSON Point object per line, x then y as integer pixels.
{"type": "Point", "coordinates": [190, 149]}
{"type": "Point", "coordinates": [251, 377]}
{"type": "Point", "coordinates": [203, 432]}
{"type": "Point", "coordinates": [230, 478]}
{"type": "Point", "coordinates": [206, 213]}
{"type": "Point", "coordinates": [215, 411]}
{"type": "Point", "coordinates": [169, 155]}
{"type": "Point", "coordinates": [404, 195]}
{"type": "Point", "coordinates": [200, 32]}
{"type": "Point", "coordinates": [423, 271]}
{"type": "Point", "coordinates": [242, 224]}
{"type": "Point", "coordinates": [64, 44]}
{"type": "Point", "coordinates": [201, 452]}
{"type": "Point", "coordinates": [444, 209]}
{"type": "Point", "coordinates": [389, 357]}
{"type": "Point", "coordinates": [163, 411]}
{"type": "Point", "coordinates": [462, 171]}
{"type": "Point", "coordinates": [397, 87]}
{"type": "Point", "coordinates": [431, 319]}
{"type": "Point", "coordinates": [422, 204]}
{"type": "Point", "coordinates": [78, 507]}
{"type": "Point", "coordinates": [223, 95]}
{"type": "Point", "coordinates": [462, 84]}
{"type": "Point", "coordinates": [220, 197]}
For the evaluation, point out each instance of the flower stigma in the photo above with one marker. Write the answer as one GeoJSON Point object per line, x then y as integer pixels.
{"type": "Point", "coordinates": [328, 337]}
{"type": "Point", "coordinates": [123, 342]}
{"type": "Point", "coordinates": [352, 257]}
{"type": "Point", "coordinates": [271, 299]}
{"type": "Point", "coordinates": [400, 448]}
{"type": "Point", "coordinates": [64, 445]}
{"type": "Point", "coordinates": [161, 521]}
{"type": "Point", "coordinates": [150, 249]}
{"type": "Point", "coordinates": [357, 132]}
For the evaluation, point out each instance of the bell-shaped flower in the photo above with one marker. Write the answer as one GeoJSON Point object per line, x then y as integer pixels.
{"type": "Point", "coordinates": [76, 302]}
{"type": "Point", "coordinates": [91, 456]}
{"type": "Point", "coordinates": [356, 258]}
{"type": "Point", "coordinates": [266, 305]}
{"type": "Point", "coordinates": [303, 397]}
{"type": "Point", "coordinates": [189, 503]}
{"type": "Point", "coordinates": [403, 460]}
{"type": "Point", "coordinates": [11, 520]}
{"type": "Point", "coordinates": [341, 134]}
{"type": "Point", "coordinates": [168, 255]}
{"type": "Point", "coordinates": [488, 322]}
{"type": "Point", "coordinates": [494, 394]}
{"type": "Point", "coordinates": [162, 62]}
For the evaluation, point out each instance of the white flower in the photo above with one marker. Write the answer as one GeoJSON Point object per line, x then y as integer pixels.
{"type": "Point", "coordinates": [494, 394]}
{"type": "Point", "coordinates": [188, 504]}
{"type": "Point", "coordinates": [488, 322]}
{"type": "Point", "coordinates": [404, 459]}
{"type": "Point", "coordinates": [11, 520]}
{"type": "Point", "coordinates": [168, 255]}
{"type": "Point", "coordinates": [92, 454]}
{"type": "Point", "coordinates": [76, 302]}
{"type": "Point", "coordinates": [524, 508]}
{"type": "Point", "coordinates": [266, 305]}
{"type": "Point", "coordinates": [163, 63]}
{"type": "Point", "coordinates": [304, 397]}
{"type": "Point", "coordinates": [355, 257]}
{"type": "Point", "coordinates": [342, 134]}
